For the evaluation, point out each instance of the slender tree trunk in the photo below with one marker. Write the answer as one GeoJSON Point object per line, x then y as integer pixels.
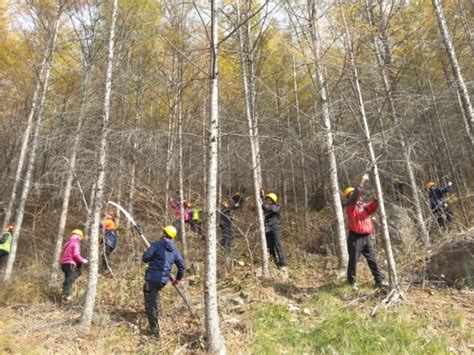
{"type": "Point", "coordinates": [256, 172]}
{"type": "Point", "coordinates": [136, 133]}
{"type": "Point", "coordinates": [70, 175]}
{"type": "Point", "coordinates": [449, 156]}
{"type": "Point", "coordinates": [333, 178]}
{"type": "Point", "coordinates": [215, 341]}
{"type": "Point", "coordinates": [179, 98]}
{"type": "Point", "coordinates": [169, 157]}
{"type": "Point", "coordinates": [397, 124]}
{"type": "Point", "coordinates": [89, 304]}
{"type": "Point", "coordinates": [378, 186]}
{"type": "Point", "coordinates": [462, 89]}
{"type": "Point", "coordinates": [33, 146]}
{"type": "Point", "coordinates": [300, 145]}
{"type": "Point", "coordinates": [26, 135]}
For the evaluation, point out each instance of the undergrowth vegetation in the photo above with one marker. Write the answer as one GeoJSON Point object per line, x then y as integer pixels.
{"type": "Point", "coordinates": [330, 326]}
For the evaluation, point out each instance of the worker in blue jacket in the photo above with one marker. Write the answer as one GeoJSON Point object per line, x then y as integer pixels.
{"type": "Point", "coordinates": [438, 206]}
{"type": "Point", "coordinates": [160, 257]}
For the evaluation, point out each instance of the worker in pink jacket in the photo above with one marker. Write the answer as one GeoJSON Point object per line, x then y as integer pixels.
{"type": "Point", "coordinates": [71, 261]}
{"type": "Point", "coordinates": [176, 205]}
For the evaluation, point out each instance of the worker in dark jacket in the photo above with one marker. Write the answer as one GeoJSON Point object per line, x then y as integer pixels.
{"type": "Point", "coordinates": [160, 256]}
{"type": "Point", "coordinates": [225, 223]}
{"type": "Point", "coordinates": [439, 207]}
{"type": "Point", "coordinates": [271, 209]}
{"type": "Point", "coordinates": [360, 230]}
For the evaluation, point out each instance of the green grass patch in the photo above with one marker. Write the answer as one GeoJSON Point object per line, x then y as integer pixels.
{"type": "Point", "coordinates": [332, 328]}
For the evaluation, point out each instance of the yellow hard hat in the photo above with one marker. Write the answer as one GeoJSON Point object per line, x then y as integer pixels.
{"type": "Point", "coordinates": [78, 232]}
{"type": "Point", "coordinates": [170, 231]}
{"type": "Point", "coordinates": [348, 191]}
{"type": "Point", "coordinates": [272, 197]}
{"type": "Point", "coordinates": [430, 184]}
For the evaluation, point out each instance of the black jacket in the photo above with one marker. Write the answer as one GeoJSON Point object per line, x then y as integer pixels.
{"type": "Point", "coordinates": [272, 215]}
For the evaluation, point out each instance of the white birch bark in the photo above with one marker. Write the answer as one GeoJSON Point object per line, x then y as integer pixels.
{"type": "Point", "coordinates": [26, 138]}
{"type": "Point", "coordinates": [392, 269]}
{"type": "Point", "coordinates": [180, 156]}
{"type": "Point", "coordinates": [215, 341]}
{"type": "Point", "coordinates": [136, 133]}
{"type": "Point", "coordinates": [70, 174]}
{"type": "Point", "coordinates": [397, 124]}
{"type": "Point", "coordinates": [333, 178]}
{"type": "Point", "coordinates": [458, 78]}
{"type": "Point", "coordinates": [33, 147]}
{"type": "Point", "coordinates": [89, 303]}
{"type": "Point", "coordinates": [169, 157]}
{"type": "Point", "coordinates": [256, 171]}
{"type": "Point", "coordinates": [300, 145]}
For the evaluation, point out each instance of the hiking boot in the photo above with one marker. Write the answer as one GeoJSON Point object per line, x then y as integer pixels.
{"type": "Point", "coordinates": [354, 286]}
{"type": "Point", "coordinates": [382, 284]}
{"type": "Point", "coordinates": [154, 332]}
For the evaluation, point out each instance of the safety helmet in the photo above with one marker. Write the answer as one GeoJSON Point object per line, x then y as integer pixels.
{"type": "Point", "coordinates": [430, 184]}
{"type": "Point", "coordinates": [78, 232]}
{"type": "Point", "coordinates": [10, 228]}
{"type": "Point", "coordinates": [272, 197]}
{"type": "Point", "coordinates": [111, 214]}
{"type": "Point", "coordinates": [170, 231]}
{"type": "Point", "coordinates": [348, 191]}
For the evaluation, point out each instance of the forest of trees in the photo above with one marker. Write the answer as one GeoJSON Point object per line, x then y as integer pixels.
{"type": "Point", "coordinates": [132, 100]}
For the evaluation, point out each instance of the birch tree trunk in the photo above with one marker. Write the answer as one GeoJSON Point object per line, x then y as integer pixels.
{"type": "Point", "coordinates": [462, 89]}
{"type": "Point", "coordinates": [33, 145]}
{"type": "Point", "coordinates": [392, 270]}
{"type": "Point", "coordinates": [256, 172]}
{"type": "Point", "coordinates": [448, 154]}
{"type": "Point", "coordinates": [397, 124]}
{"type": "Point", "coordinates": [70, 174]}
{"type": "Point", "coordinates": [215, 341]}
{"type": "Point", "coordinates": [333, 178]}
{"type": "Point", "coordinates": [26, 135]}
{"type": "Point", "coordinates": [136, 133]}
{"type": "Point", "coordinates": [89, 303]}
{"type": "Point", "coordinates": [300, 144]}
{"type": "Point", "coordinates": [180, 155]}
{"type": "Point", "coordinates": [169, 157]}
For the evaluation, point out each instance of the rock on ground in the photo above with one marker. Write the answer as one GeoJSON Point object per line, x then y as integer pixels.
{"type": "Point", "coordinates": [453, 262]}
{"type": "Point", "coordinates": [402, 228]}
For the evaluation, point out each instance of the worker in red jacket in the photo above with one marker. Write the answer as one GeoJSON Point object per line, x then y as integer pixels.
{"type": "Point", "coordinates": [360, 230]}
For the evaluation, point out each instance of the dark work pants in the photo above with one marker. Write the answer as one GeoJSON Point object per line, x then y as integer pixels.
{"type": "Point", "coordinates": [70, 275]}
{"type": "Point", "coordinates": [275, 247]}
{"type": "Point", "coordinates": [3, 257]}
{"type": "Point", "coordinates": [444, 215]}
{"type": "Point", "coordinates": [357, 245]}
{"type": "Point", "coordinates": [151, 292]}
{"type": "Point", "coordinates": [195, 226]}
{"type": "Point", "coordinates": [227, 236]}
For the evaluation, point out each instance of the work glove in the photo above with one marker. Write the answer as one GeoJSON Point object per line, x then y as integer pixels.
{"type": "Point", "coordinates": [450, 183]}
{"type": "Point", "coordinates": [85, 261]}
{"type": "Point", "coordinates": [174, 282]}
{"type": "Point", "coordinates": [365, 177]}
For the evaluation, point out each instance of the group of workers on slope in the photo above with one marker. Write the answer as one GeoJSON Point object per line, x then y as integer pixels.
{"type": "Point", "coordinates": [191, 214]}
{"type": "Point", "coordinates": [163, 254]}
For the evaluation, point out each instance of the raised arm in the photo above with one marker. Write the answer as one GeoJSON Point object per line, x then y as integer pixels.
{"type": "Point", "coordinates": [148, 254]}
